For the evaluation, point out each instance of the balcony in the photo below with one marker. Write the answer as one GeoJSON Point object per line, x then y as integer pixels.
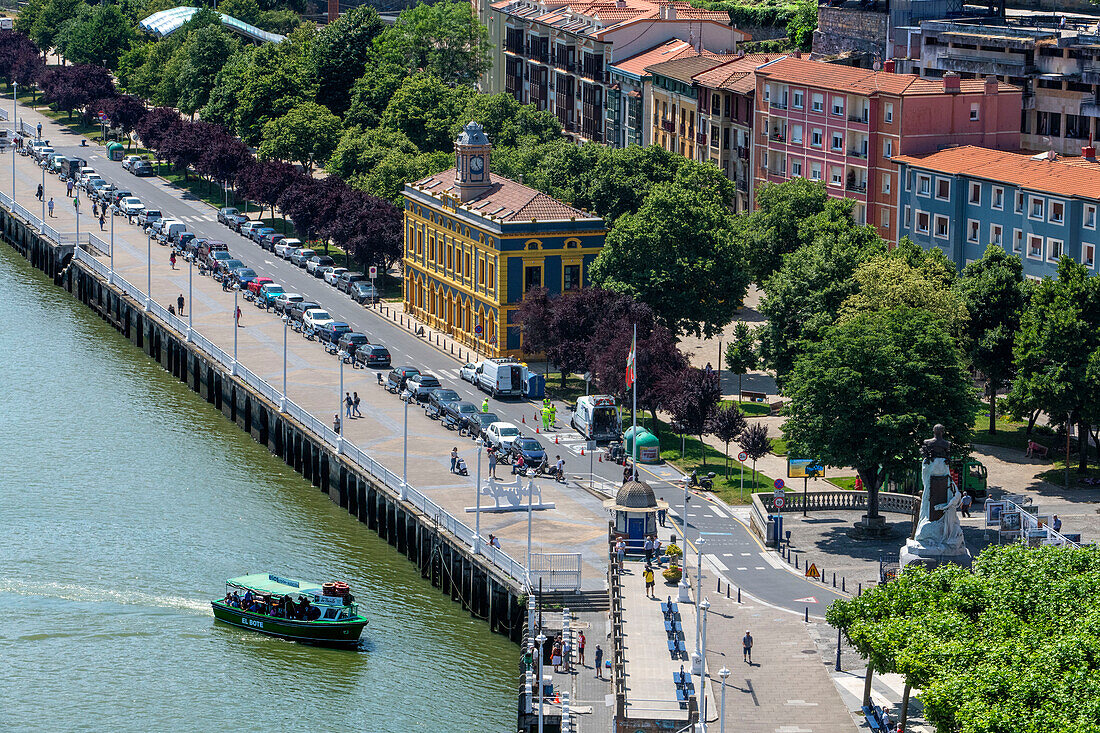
{"type": "Point", "coordinates": [701, 138]}
{"type": "Point", "coordinates": [857, 187]}
{"type": "Point", "coordinates": [1090, 73]}
{"type": "Point", "coordinates": [857, 154]}
{"type": "Point", "coordinates": [743, 153]}
{"type": "Point", "coordinates": [778, 137]}
{"type": "Point", "coordinates": [860, 118]}
{"type": "Point", "coordinates": [668, 125]}
{"type": "Point", "coordinates": [1090, 109]}
{"type": "Point", "coordinates": [775, 104]}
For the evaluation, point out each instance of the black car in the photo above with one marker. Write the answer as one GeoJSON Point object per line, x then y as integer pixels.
{"type": "Point", "coordinates": [224, 214]}
{"type": "Point", "coordinates": [479, 421]}
{"type": "Point", "coordinates": [532, 451]}
{"type": "Point", "coordinates": [332, 332]}
{"type": "Point", "coordinates": [225, 267]}
{"type": "Point", "coordinates": [460, 411]}
{"type": "Point", "coordinates": [297, 310]}
{"type": "Point", "coordinates": [395, 382]}
{"type": "Point", "coordinates": [373, 355]}
{"type": "Point", "coordinates": [438, 399]}
{"type": "Point", "coordinates": [351, 341]}
{"type": "Point", "coordinates": [347, 279]}
{"type": "Point", "coordinates": [362, 292]}
{"type": "Point", "coordinates": [142, 168]}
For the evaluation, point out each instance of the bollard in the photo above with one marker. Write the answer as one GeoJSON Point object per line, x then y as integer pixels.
{"type": "Point", "coordinates": [727, 591]}
{"type": "Point", "coordinates": [796, 562]}
{"type": "Point", "coordinates": [807, 614]}
{"type": "Point", "coordinates": [860, 591]}
{"type": "Point", "coordinates": [834, 580]}
{"type": "Point", "coordinates": [719, 588]}
{"type": "Point", "coordinates": [738, 595]}
{"type": "Point", "coordinates": [823, 576]}
{"type": "Point", "coordinates": [838, 650]}
{"type": "Point", "coordinates": [842, 588]}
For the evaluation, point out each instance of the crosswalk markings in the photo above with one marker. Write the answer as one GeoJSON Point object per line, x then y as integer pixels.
{"type": "Point", "coordinates": [719, 563]}
{"type": "Point", "coordinates": [719, 512]}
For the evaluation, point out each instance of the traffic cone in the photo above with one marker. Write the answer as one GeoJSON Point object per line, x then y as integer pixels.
{"type": "Point", "coordinates": [601, 458]}
{"type": "Point", "coordinates": [555, 440]}
{"type": "Point", "coordinates": [524, 418]}
{"type": "Point", "coordinates": [536, 429]}
{"type": "Point", "coordinates": [582, 452]}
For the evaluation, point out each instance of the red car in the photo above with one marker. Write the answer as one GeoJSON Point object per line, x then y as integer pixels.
{"type": "Point", "coordinates": [258, 283]}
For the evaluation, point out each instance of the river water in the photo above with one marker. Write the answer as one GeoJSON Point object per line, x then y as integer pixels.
{"type": "Point", "coordinates": [126, 501]}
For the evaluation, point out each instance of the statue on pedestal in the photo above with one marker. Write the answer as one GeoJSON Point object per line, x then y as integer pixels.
{"type": "Point", "coordinates": [938, 537]}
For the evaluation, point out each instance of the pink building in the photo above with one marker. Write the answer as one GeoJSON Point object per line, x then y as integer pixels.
{"type": "Point", "coordinates": [843, 125]}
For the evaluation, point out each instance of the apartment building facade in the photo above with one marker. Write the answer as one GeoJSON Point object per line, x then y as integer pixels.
{"type": "Point", "coordinates": [1037, 207]}
{"type": "Point", "coordinates": [556, 55]}
{"type": "Point", "coordinates": [844, 125]}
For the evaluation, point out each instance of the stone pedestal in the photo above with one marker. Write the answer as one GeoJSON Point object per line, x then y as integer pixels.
{"type": "Point", "coordinates": [870, 528]}
{"type": "Point", "coordinates": [915, 554]}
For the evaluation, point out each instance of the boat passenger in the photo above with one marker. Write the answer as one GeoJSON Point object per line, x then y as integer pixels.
{"type": "Point", "coordinates": [247, 600]}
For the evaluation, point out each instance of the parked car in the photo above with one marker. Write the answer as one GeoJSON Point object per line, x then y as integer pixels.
{"type": "Point", "coordinates": [247, 226]}
{"type": "Point", "coordinates": [468, 372]}
{"type": "Point", "coordinates": [347, 278]}
{"type": "Point", "coordinates": [332, 274]}
{"type": "Point", "coordinates": [131, 206]}
{"type": "Point", "coordinates": [284, 245]}
{"type": "Point", "coordinates": [268, 293]}
{"type": "Point", "coordinates": [297, 310]}
{"type": "Point", "coordinates": [373, 355]}
{"type": "Point", "coordinates": [350, 341]}
{"type": "Point", "coordinates": [363, 293]}
{"type": "Point", "coordinates": [215, 257]}
{"type": "Point", "coordinates": [398, 377]}
{"type": "Point", "coordinates": [316, 318]}
{"type": "Point", "coordinates": [256, 233]}
{"type": "Point", "coordinates": [301, 257]}
{"type": "Point", "coordinates": [225, 268]}
{"type": "Point", "coordinates": [501, 435]}
{"type": "Point", "coordinates": [242, 276]}
{"type": "Point", "coordinates": [332, 331]}
{"type": "Point", "coordinates": [142, 168]}
{"type": "Point", "coordinates": [479, 422]}
{"type": "Point", "coordinates": [148, 216]}
{"type": "Point", "coordinates": [317, 263]}
{"type": "Point", "coordinates": [129, 160]}
{"type": "Point", "coordinates": [284, 301]}
{"type": "Point", "coordinates": [531, 449]}
{"type": "Point", "coordinates": [234, 221]}
{"type": "Point", "coordinates": [93, 184]}
{"type": "Point", "coordinates": [57, 163]}
{"type": "Point", "coordinates": [439, 398]}
{"type": "Point", "coordinates": [257, 284]}
{"type": "Point", "coordinates": [168, 227]}
{"type": "Point", "coordinates": [120, 193]}
{"type": "Point", "coordinates": [460, 411]}
{"type": "Point", "coordinates": [225, 213]}
{"type": "Point", "coordinates": [43, 153]}
{"type": "Point", "coordinates": [422, 385]}
{"type": "Point", "coordinates": [268, 241]}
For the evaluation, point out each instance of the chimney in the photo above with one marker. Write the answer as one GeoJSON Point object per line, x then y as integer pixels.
{"type": "Point", "coordinates": [796, 54]}
{"type": "Point", "coordinates": [1089, 153]}
{"type": "Point", "coordinates": [991, 84]}
{"type": "Point", "coordinates": [668, 11]}
{"type": "Point", "coordinates": [889, 66]}
{"type": "Point", "coordinates": [951, 83]}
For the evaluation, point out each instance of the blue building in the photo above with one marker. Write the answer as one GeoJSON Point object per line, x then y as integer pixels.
{"type": "Point", "coordinates": [1037, 207]}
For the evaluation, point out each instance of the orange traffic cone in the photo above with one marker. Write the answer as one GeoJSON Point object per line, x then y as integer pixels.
{"type": "Point", "coordinates": [582, 451]}
{"type": "Point", "coordinates": [536, 428]}
{"type": "Point", "coordinates": [601, 458]}
{"type": "Point", "coordinates": [524, 418]}
{"type": "Point", "coordinates": [555, 440]}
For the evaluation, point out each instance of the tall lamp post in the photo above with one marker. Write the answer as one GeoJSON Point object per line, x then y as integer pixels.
{"type": "Point", "coordinates": [683, 596]}
{"type": "Point", "coordinates": [236, 325]}
{"type": "Point", "coordinates": [724, 673]}
{"type": "Point", "coordinates": [340, 403]}
{"type": "Point", "coordinates": [190, 289]}
{"type": "Point", "coordinates": [43, 190]}
{"type": "Point", "coordinates": [111, 274]}
{"type": "Point", "coordinates": [282, 402]}
{"type": "Point", "coordinates": [702, 691]}
{"type": "Point", "coordinates": [405, 456]}
{"type": "Point", "coordinates": [541, 639]}
{"type": "Point", "coordinates": [697, 659]}
{"type": "Point", "coordinates": [14, 114]}
{"type": "Point", "coordinates": [530, 497]}
{"type": "Point", "coordinates": [477, 499]}
{"type": "Point", "coordinates": [148, 268]}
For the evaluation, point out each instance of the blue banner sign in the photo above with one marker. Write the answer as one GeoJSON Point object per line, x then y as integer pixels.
{"type": "Point", "coordinates": [284, 581]}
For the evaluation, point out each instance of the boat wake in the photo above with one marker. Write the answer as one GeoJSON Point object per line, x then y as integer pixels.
{"type": "Point", "coordinates": [87, 594]}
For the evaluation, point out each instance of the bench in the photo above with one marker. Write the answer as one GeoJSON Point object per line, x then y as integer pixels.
{"type": "Point", "coordinates": [774, 406]}
{"type": "Point", "coordinates": [873, 719]}
{"type": "Point", "coordinates": [668, 608]}
{"type": "Point", "coordinates": [672, 626]}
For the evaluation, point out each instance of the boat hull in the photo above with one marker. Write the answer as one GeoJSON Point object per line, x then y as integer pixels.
{"type": "Point", "coordinates": [325, 633]}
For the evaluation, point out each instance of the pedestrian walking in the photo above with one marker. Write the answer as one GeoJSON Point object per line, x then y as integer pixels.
{"type": "Point", "coordinates": [238, 314]}
{"type": "Point", "coordinates": [39, 130]}
{"type": "Point", "coordinates": [103, 223]}
{"type": "Point", "coordinates": [171, 257]}
{"type": "Point", "coordinates": [347, 404]}
{"type": "Point", "coordinates": [355, 404]}
{"type": "Point", "coordinates": [620, 552]}
{"type": "Point", "coordinates": [657, 551]}
{"type": "Point", "coordinates": [555, 657]}
{"type": "Point", "coordinates": [746, 647]}
{"type": "Point", "coordinates": [336, 423]}
{"type": "Point", "coordinates": [68, 188]}
{"type": "Point", "coordinates": [493, 463]}
{"type": "Point", "coordinates": [50, 206]}
{"type": "Point", "coordinates": [40, 193]}
{"type": "Point", "coordinates": [599, 662]}
{"type": "Point", "coordinates": [553, 416]}
{"type": "Point", "coordinates": [454, 458]}
{"type": "Point", "coordinates": [661, 514]}
{"type": "Point", "coordinates": [1057, 523]}
{"type": "Point", "coordinates": [580, 647]}
{"type": "Point", "coordinates": [485, 405]}
{"type": "Point", "coordinates": [648, 549]}
{"type": "Point", "coordinates": [650, 584]}
{"type": "Point", "coordinates": [179, 304]}
{"type": "Point", "coordinates": [566, 658]}
{"type": "Point", "coordinates": [967, 502]}
{"type": "Point", "coordinates": [546, 419]}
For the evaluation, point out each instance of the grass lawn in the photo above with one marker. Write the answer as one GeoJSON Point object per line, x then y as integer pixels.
{"type": "Point", "coordinates": [848, 483]}
{"type": "Point", "coordinates": [779, 446]}
{"type": "Point", "coordinates": [727, 486]}
{"type": "Point", "coordinates": [749, 409]}
{"type": "Point", "coordinates": [574, 387]}
{"type": "Point", "coordinates": [1010, 434]}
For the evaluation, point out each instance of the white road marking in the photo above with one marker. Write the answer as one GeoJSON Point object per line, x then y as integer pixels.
{"type": "Point", "coordinates": [718, 562]}
{"type": "Point", "coordinates": [761, 567]}
{"type": "Point", "coordinates": [719, 512]}
{"type": "Point", "coordinates": [742, 568]}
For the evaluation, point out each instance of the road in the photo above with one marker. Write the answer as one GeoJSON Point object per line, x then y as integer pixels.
{"type": "Point", "coordinates": [730, 547]}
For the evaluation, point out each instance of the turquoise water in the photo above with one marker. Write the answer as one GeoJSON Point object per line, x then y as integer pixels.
{"type": "Point", "coordinates": [125, 502]}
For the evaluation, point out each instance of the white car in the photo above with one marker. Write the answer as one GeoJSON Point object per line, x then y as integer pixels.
{"type": "Point", "coordinates": [131, 206]}
{"type": "Point", "coordinates": [285, 300]}
{"type": "Point", "coordinates": [501, 435]}
{"type": "Point", "coordinates": [332, 274]}
{"type": "Point", "coordinates": [315, 318]}
{"type": "Point", "coordinates": [129, 160]}
{"type": "Point", "coordinates": [248, 226]}
{"type": "Point", "coordinates": [468, 372]}
{"type": "Point", "coordinates": [285, 247]}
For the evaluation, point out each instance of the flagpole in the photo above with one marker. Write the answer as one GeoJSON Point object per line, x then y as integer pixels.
{"type": "Point", "coordinates": [634, 407]}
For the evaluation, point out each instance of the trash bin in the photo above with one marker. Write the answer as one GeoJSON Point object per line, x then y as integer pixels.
{"type": "Point", "coordinates": [115, 151]}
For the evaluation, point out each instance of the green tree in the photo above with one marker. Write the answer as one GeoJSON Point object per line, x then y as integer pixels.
{"type": "Point", "coordinates": [360, 151]}
{"type": "Point", "coordinates": [146, 79]}
{"type": "Point", "coordinates": [204, 54]}
{"type": "Point", "coordinates": [727, 426]}
{"type": "Point", "coordinates": [741, 355]}
{"type": "Point", "coordinates": [131, 60]}
{"type": "Point", "coordinates": [778, 225]}
{"type": "Point", "coordinates": [803, 298]}
{"type": "Point", "coordinates": [221, 105]}
{"type": "Point", "coordinates": [508, 123]}
{"type": "Point", "coordinates": [307, 134]}
{"type": "Point", "coordinates": [871, 389]}
{"type": "Point", "coordinates": [801, 26]}
{"type": "Point", "coordinates": [424, 108]}
{"type": "Point", "coordinates": [624, 177]}
{"type": "Point", "coordinates": [49, 20]}
{"type": "Point", "coordinates": [992, 290]}
{"type": "Point", "coordinates": [677, 254]}
{"type": "Point", "coordinates": [340, 53]}
{"type": "Point", "coordinates": [246, 10]}
{"type": "Point", "coordinates": [372, 92]}
{"type": "Point", "coordinates": [28, 14]}
{"type": "Point", "coordinates": [278, 79]}
{"type": "Point", "coordinates": [444, 39]}
{"type": "Point", "coordinates": [1059, 338]}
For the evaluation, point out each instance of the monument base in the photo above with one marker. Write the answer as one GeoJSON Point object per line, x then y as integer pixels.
{"type": "Point", "coordinates": [870, 528]}
{"type": "Point", "coordinates": [914, 554]}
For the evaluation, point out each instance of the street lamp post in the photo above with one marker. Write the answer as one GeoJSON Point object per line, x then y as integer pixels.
{"type": "Point", "coordinates": [14, 116]}
{"type": "Point", "coordinates": [477, 500]}
{"type": "Point", "coordinates": [698, 598]}
{"type": "Point", "coordinates": [530, 497]}
{"type": "Point", "coordinates": [236, 325]}
{"type": "Point", "coordinates": [405, 457]}
{"type": "Point", "coordinates": [541, 639]}
{"type": "Point", "coordinates": [190, 289]}
{"type": "Point", "coordinates": [339, 403]}
{"type": "Point", "coordinates": [111, 275]}
{"type": "Point", "coordinates": [683, 596]}
{"type": "Point", "coordinates": [724, 673]}
{"type": "Point", "coordinates": [43, 190]}
{"type": "Point", "coordinates": [282, 400]}
{"type": "Point", "coordinates": [702, 691]}
{"type": "Point", "coordinates": [148, 268]}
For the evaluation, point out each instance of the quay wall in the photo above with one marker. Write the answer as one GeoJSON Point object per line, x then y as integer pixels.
{"type": "Point", "coordinates": [444, 559]}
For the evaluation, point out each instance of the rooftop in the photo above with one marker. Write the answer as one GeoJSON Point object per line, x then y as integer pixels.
{"type": "Point", "coordinates": [597, 18]}
{"type": "Point", "coordinates": [851, 80]}
{"type": "Point", "coordinates": [737, 75]}
{"type": "Point", "coordinates": [684, 69]}
{"type": "Point", "coordinates": [1056, 176]}
{"type": "Point", "coordinates": [667, 51]}
{"type": "Point", "coordinates": [507, 200]}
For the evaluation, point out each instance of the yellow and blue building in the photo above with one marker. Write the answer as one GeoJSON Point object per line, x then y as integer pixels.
{"type": "Point", "coordinates": [475, 243]}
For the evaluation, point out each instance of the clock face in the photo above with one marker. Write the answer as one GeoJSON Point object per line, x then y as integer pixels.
{"type": "Point", "coordinates": [477, 164]}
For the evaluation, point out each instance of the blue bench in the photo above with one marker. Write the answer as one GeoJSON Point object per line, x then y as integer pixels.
{"type": "Point", "coordinates": [873, 715]}
{"type": "Point", "coordinates": [673, 626]}
{"type": "Point", "coordinates": [668, 608]}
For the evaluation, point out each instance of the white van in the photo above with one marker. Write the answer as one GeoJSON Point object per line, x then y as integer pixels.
{"type": "Point", "coordinates": [501, 377]}
{"type": "Point", "coordinates": [597, 418]}
{"type": "Point", "coordinates": [171, 229]}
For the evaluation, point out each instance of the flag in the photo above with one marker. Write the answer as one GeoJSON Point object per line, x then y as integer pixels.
{"type": "Point", "coordinates": [631, 370]}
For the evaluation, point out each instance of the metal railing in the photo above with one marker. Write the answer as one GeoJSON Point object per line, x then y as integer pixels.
{"type": "Point", "coordinates": [557, 571]}
{"type": "Point", "coordinates": [446, 521]}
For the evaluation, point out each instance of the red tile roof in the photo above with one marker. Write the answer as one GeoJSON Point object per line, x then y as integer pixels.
{"type": "Point", "coordinates": [849, 79]}
{"type": "Point", "coordinates": [1057, 177]}
{"type": "Point", "coordinates": [507, 200]}
{"type": "Point", "coordinates": [610, 14]}
{"type": "Point", "coordinates": [667, 51]}
{"type": "Point", "coordinates": [683, 69]}
{"type": "Point", "coordinates": [737, 75]}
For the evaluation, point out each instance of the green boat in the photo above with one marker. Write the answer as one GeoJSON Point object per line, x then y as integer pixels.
{"type": "Point", "coordinates": [313, 613]}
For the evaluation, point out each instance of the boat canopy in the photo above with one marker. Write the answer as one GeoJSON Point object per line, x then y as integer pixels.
{"type": "Point", "coordinates": [270, 583]}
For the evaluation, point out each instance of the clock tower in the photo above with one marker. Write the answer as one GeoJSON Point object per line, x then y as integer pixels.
{"type": "Point", "coordinates": [472, 163]}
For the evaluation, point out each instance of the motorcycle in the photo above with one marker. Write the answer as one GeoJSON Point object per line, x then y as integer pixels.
{"type": "Point", "coordinates": [706, 483]}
